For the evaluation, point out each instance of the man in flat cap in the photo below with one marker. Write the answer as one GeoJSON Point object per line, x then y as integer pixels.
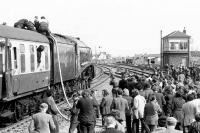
{"type": "Point", "coordinates": [42, 122]}
{"type": "Point", "coordinates": [171, 124]}
{"type": "Point", "coordinates": [110, 125]}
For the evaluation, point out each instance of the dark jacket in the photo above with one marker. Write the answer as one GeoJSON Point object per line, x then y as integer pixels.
{"type": "Point", "coordinates": [52, 105]}
{"type": "Point", "coordinates": [21, 23]}
{"type": "Point", "coordinates": [105, 105]}
{"type": "Point", "coordinates": [160, 99]}
{"type": "Point", "coordinates": [30, 26]}
{"type": "Point", "coordinates": [177, 104]}
{"type": "Point", "coordinates": [168, 106]}
{"type": "Point", "coordinates": [131, 85]}
{"type": "Point", "coordinates": [121, 105]}
{"type": "Point", "coordinates": [36, 24]}
{"type": "Point", "coordinates": [122, 84]}
{"type": "Point", "coordinates": [151, 111]}
{"type": "Point", "coordinates": [43, 26]}
{"type": "Point", "coordinates": [86, 106]}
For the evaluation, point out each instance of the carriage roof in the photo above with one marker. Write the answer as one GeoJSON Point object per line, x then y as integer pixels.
{"type": "Point", "coordinates": [21, 34]}
{"type": "Point", "coordinates": [80, 43]}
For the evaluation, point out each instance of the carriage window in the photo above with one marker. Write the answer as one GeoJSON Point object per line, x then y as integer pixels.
{"type": "Point", "coordinates": [2, 44]}
{"type": "Point", "coordinates": [39, 53]}
{"type": "Point", "coordinates": [46, 58]}
{"type": "Point", "coordinates": [22, 57]}
{"type": "Point", "coordinates": [32, 58]}
{"type": "Point", "coordinates": [15, 57]}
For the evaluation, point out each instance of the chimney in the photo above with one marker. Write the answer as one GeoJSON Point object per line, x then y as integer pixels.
{"type": "Point", "coordinates": [184, 30]}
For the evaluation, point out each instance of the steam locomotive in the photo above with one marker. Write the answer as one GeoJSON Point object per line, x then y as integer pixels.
{"type": "Point", "coordinates": [29, 63]}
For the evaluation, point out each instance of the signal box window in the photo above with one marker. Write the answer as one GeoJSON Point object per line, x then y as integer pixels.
{"type": "Point", "coordinates": [181, 47]}
{"type": "Point", "coordinates": [32, 58]}
{"type": "Point", "coordinates": [172, 45]}
{"type": "Point", "coordinates": [46, 58]}
{"type": "Point", "coordinates": [185, 45]}
{"type": "Point", "coordinates": [22, 57]}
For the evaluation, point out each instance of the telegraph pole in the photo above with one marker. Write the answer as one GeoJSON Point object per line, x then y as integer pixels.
{"type": "Point", "coordinates": [161, 50]}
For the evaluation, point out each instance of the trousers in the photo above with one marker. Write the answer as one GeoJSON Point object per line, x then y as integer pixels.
{"type": "Point", "coordinates": [86, 127]}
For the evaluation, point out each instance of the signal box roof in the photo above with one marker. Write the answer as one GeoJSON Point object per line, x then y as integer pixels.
{"type": "Point", "coordinates": [177, 34]}
{"type": "Point", "coordinates": [21, 34]}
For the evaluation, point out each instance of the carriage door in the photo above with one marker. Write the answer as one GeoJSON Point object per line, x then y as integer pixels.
{"type": "Point", "coordinates": [2, 65]}
{"type": "Point", "coordinates": [15, 66]}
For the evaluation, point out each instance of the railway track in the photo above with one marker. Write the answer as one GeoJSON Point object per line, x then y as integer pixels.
{"type": "Point", "coordinates": [130, 69]}
{"type": "Point", "coordinates": [22, 125]}
{"type": "Point", "coordinates": [101, 77]}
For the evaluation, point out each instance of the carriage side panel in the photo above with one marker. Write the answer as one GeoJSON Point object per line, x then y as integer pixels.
{"type": "Point", "coordinates": [67, 62]}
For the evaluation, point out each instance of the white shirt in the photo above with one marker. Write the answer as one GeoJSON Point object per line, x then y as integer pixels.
{"type": "Point", "coordinates": [196, 103]}
{"type": "Point", "coordinates": [189, 112]}
{"type": "Point", "coordinates": [138, 106]}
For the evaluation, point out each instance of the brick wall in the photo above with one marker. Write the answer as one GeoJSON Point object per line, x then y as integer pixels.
{"type": "Point", "coordinates": [175, 59]}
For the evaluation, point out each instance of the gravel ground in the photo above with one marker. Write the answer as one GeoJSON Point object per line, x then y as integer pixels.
{"type": "Point", "coordinates": [64, 124]}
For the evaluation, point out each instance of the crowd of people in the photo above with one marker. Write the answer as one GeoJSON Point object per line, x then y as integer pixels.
{"type": "Point", "coordinates": [173, 95]}
{"type": "Point", "coordinates": [40, 25]}
{"type": "Point", "coordinates": [161, 103]}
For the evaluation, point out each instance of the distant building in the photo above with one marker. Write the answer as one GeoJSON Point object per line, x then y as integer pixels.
{"type": "Point", "coordinates": [144, 59]}
{"type": "Point", "coordinates": [175, 49]}
{"type": "Point", "coordinates": [194, 58]}
{"type": "Point", "coordinates": [102, 58]}
{"type": "Point", "coordinates": [154, 59]}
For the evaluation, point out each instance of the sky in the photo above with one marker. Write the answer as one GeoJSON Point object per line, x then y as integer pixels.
{"type": "Point", "coordinates": [118, 27]}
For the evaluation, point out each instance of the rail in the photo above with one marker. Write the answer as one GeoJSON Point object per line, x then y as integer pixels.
{"type": "Point", "coordinates": [105, 70]}
{"type": "Point", "coordinates": [132, 69]}
{"type": "Point", "coordinates": [19, 126]}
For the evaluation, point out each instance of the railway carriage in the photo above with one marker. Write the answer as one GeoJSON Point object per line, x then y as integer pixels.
{"type": "Point", "coordinates": [29, 64]}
